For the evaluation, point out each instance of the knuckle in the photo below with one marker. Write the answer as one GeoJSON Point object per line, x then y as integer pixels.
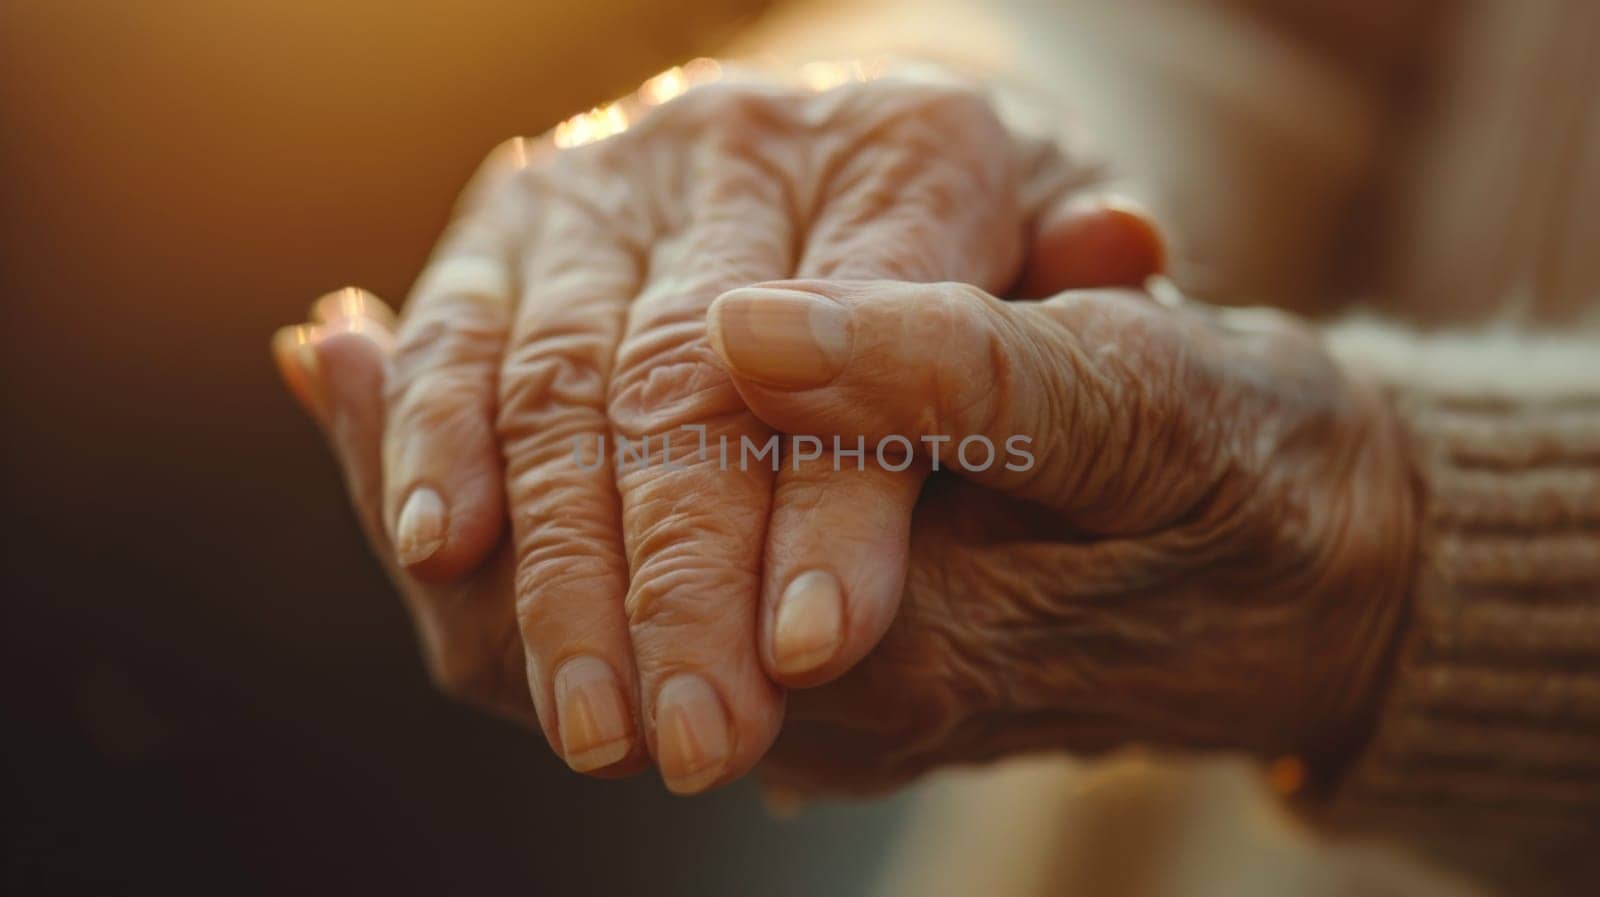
{"type": "Point", "coordinates": [687, 573]}
{"type": "Point", "coordinates": [508, 153]}
{"type": "Point", "coordinates": [558, 510]}
{"type": "Point", "coordinates": [503, 163]}
{"type": "Point", "coordinates": [472, 261]}
{"type": "Point", "coordinates": [940, 197]}
{"type": "Point", "coordinates": [561, 565]}
{"type": "Point", "coordinates": [952, 305]}
{"type": "Point", "coordinates": [746, 121]}
{"type": "Point", "coordinates": [954, 100]}
{"type": "Point", "coordinates": [965, 396]}
{"type": "Point", "coordinates": [450, 335]}
{"type": "Point", "coordinates": [669, 377]}
{"type": "Point", "coordinates": [904, 244]}
{"type": "Point", "coordinates": [588, 189]}
{"type": "Point", "coordinates": [729, 105]}
{"type": "Point", "coordinates": [548, 378]}
{"type": "Point", "coordinates": [442, 401]}
{"type": "Point", "coordinates": [684, 594]}
{"type": "Point", "coordinates": [945, 107]}
{"type": "Point", "coordinates": [804, 497]}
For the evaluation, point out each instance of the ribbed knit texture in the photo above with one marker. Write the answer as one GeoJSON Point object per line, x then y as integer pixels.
{"type": "Point", "coordinates": [1491, 723]}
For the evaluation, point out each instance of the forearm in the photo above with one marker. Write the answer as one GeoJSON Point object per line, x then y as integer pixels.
{"type": "Point", "coordinates": [1246, 147]}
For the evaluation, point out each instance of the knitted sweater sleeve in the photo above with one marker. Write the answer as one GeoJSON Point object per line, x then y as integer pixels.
{"type": "Point", "coordinates": [1487, 741]}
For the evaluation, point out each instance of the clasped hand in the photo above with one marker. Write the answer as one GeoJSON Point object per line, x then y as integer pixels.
{"type": "Point", "coordinates": [748, 261]}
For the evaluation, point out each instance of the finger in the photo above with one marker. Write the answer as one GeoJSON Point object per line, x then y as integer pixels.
{"type": "Point", "coordinates": [343, 358]}
{"type": "Point", "coordinates": [840, 528]}
{"type": "Point", "coordinates": [572, 574]}
{"type": "Point", "coordinates": [444, 501]}
{"type": "Point", "coordinates": [1091, 241]}
{"type": "Point", "coordinates": [1082, 234]}
{"type": "Point", "coordinates": [695, 531]}
{"type": "Point", "coordinates": [296, 360]}
{"type": "Point", "coordinates": [294, 348]}
{"type": "Point", "coordinates": [836, 559]}
{"type": "Point", "coordinates": [1004, 394]}
{"type": "Point", "coordinates": [335, 368]}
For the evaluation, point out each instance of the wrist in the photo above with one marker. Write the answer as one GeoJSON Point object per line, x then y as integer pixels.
{"type": "Point", "coordinates": [1489, 700]}
{"type": "Point", "coordinates": [1377, 551]}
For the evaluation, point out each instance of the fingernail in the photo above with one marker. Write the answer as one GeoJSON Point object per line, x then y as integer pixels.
{"type": "Point", "coordinates": [810, 617]}
{"type": "Point", "coordinates": [593, 719]}
{"type": "Point", "coordinates": [421, 529]}
{"type": "Point", "coordinates": [294, 351]}
{"type": "Point", "coordinates": [781, 337]}
{"type": "Point", "coordinates": [691, 734]}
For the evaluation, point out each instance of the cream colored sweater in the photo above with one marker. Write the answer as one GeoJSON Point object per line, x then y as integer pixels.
{"type": "Point", "coordinates": [1487, 746]}
{"type": "Point", "coordinates": [1488, 743]}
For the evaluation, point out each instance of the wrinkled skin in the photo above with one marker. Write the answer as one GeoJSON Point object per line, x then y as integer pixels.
{"type": "Point", "coordinates": [1211, 551]}
{"type": "Point", "coordinates": [567, 303]}
{"type": "Point", "coordinates": [1210, 555]}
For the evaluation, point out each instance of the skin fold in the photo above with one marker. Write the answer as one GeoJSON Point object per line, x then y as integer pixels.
{"type": "Point", "coordinates": [1210, 551]}
{"type": "Point", "coordinates": [1116, 593]}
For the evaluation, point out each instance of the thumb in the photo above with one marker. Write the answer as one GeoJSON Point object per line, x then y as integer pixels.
{"type": "Point", "coordinates": [1001, 393]}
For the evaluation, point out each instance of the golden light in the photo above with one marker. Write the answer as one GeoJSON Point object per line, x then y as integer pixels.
{"type": "Point", "coordinates": [820, 76]}
{"type": "Point", "coordinates": [826, 75]}
{"type": "Point", "coordinates": [587, 127]}
{"type": "Point", "coordinates": [663, 87]}
{"type": "Point", "coordinates": [870, 69]}
{"type": "Point", "coordinates": [614, 118]}
{"type": "Point", "coordinates": [518, 149]}
{"type": "Point", "coordinates": [352, 306]}
{"type": "Point", "coordinates": [702, 71]}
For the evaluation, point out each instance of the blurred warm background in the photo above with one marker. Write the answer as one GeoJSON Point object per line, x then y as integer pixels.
{"type": "Point", "coordinates": [207, 682]}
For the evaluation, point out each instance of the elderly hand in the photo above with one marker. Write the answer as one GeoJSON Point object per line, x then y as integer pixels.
{"type": "Point", "coordinates": [1208, 548]}
{"type": "Point", "coordinates": [567, 306]}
